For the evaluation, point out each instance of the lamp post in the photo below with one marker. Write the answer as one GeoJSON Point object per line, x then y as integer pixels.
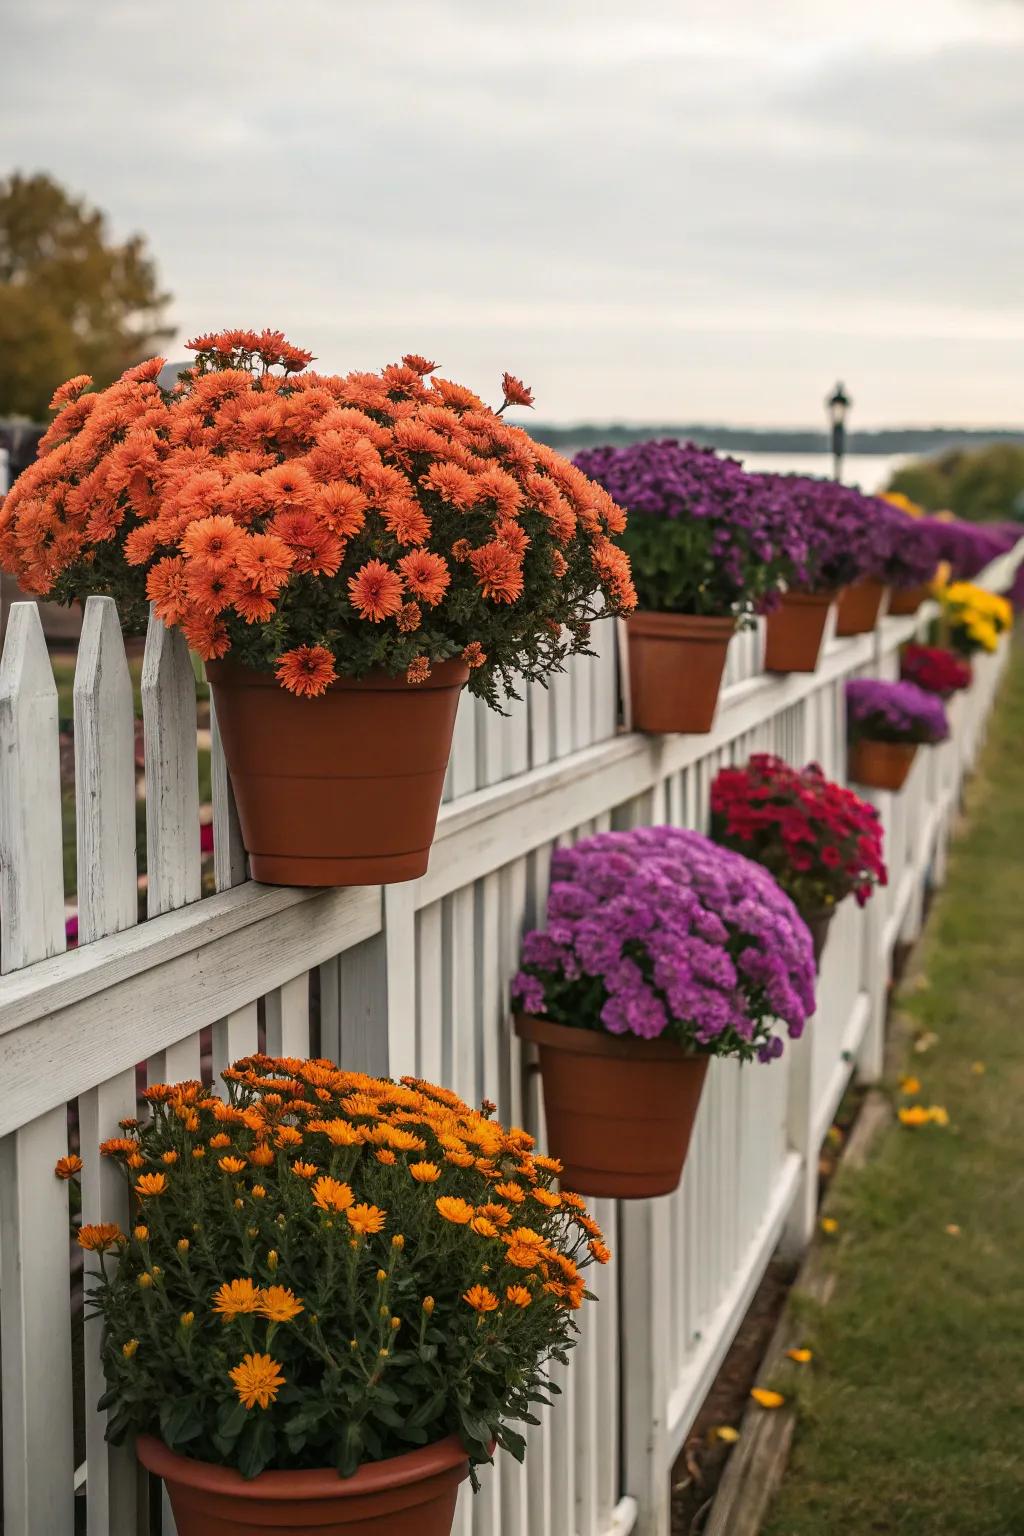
{"type": "Point", "coordinates": [837, 405]}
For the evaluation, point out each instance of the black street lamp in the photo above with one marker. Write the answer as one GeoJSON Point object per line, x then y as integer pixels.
{"type": "Point", "coordinates": [837, 405]}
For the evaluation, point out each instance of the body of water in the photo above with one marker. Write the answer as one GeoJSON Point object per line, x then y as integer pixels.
{"type": "Point", "coordinates": [869, 471]}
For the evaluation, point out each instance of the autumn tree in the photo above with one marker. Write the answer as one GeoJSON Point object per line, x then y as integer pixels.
{"type": "Point", "coordinates": [72, 299]}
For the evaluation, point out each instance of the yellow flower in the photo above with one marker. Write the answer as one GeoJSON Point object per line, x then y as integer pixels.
{"type": "Point", "coordinates": [231, 1164]}
{"type": "Point", "coordinates": [221, 1140]}
{"type": "Point", "coordinates": [182, 1245]}
{"type": "Point", "coordinates": [187, 1319]}
{"type": "Point", "coordinates": [386, 1156]}
{"type": "Point", "coordinates": [978, 1068]}
{"type": "Point", "coordinates": [482, 1227]}
{"type": "Point", "coordinates": [235, 1297]}
{"type": "Point", "coordinates": [279, 1304]}
{"type": "Point", "coordinates": [726, 1433]}
{"type": "Point", "coordinates": [366, 1218]}
{"type": "Point", "coordinates": [140, 1233]}
{"type": "Point", "coordinates": [938, 1115]}
{"type": "Point", "coordinates": [261, 1156]}
{"type": "Point", "coordinates": [801, 1356]}
{"type": "Point", "coordinates": [549, 1198]}
{"type": "Point", "coordinates": [953, 1230]}
{"type": "Point", "coordinates": [910, 1085]}
{"type": "Point", "coordinates": [767, 1399]}
{"type": "Point", "coordinates": [151, 1184]}
{"type": "Point", "coordinates": [304, 1170]}
{"type": "Point", "coordinates": [68, 1167]}
{"type": "Point", "coordinates": [455, 1210]}
{"type": "Point", "coordinates": [258, 1192]}
{"type": "Point", "coordinates": [129, 1349]}
{"type": "Point", "coordinates": [257, 1379]}
{"type": "Point", "coordinates": [914, 1114]}
{"type": "Point", "coordinates": [198, 1152]}
{"type": "Point", "coordinates": [331, 1195]}
{"type": "Point", "coordinates": [829, 1225]}
{"type": "Point", "coordinates": [429, 1305]}
{"type": "Point", "coordinates": [518, 1295]}
{"type": "Point", "coordinates": [145, 1280]}
{"type": "Point", "coordinates": [170, 1157]}
{"type": "Point", "coordinates": [481, 1299]}
{"type": "Point", "coordinates": [425, 1173]}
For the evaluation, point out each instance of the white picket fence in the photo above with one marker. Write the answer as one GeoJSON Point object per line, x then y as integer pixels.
{"type": "Point", "coordinates": [411, 978]}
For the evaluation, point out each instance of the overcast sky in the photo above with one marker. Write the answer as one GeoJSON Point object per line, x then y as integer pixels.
{"type": "Point", "coordinates": [649, 209]}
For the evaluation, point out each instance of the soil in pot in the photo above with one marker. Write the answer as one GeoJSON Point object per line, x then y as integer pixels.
{"type": "Point", "coordinates": [619, 1110]}
{"type": "Point", "coordinates": [881, 764]}
{"type": "Point", "coordinates": [410, 1495]}
{"type": "Point", "coordinates": [676, 662]}
{"type": "Point", "coordinates": [794, 631]}
{"type": "Point", "coordinates": [342, 789]}
{"type": "Point", "coordinates": [859, 607]}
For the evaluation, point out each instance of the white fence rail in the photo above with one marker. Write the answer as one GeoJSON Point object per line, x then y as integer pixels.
{"type": "Point", "coordinates": [409, 978]}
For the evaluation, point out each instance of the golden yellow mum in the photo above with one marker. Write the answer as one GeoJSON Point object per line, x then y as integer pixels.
{"type": "Point", "coordinates": [257, 1380]}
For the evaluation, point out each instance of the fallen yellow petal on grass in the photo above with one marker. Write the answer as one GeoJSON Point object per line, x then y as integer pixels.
{"type": "Point", "coordinates": [829, 1225]}
{"type": "Point", "coordinates": [978, 1068]}
{"type": "Point", "coordinates": [914, 1114]}
{"type": "Point", "coordinates": [938, 1115]}
{"type": "Point", "coordinates": [952, 1230]}
{"type": "Point", "coordinates": [801, 1356]}
{"type": "Point", "coordinates": [726, 1433]}
{"type": "Point", "coordinates": [910, 1085]}
{"type": "Point", "coordinates": [767, 1399]}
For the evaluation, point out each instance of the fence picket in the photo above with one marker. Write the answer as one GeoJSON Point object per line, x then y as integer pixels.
{"type": "Point", "coordinates": [108, 902]}
{"type": "Point", "coordinates": [35, 1318]}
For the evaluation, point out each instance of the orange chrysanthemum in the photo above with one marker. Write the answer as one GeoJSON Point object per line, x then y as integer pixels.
{"type": "Point", "coordinates": [410, 617]}
{"type": "Point", "coordinates": [231, 1164]}
{"type": "Point", "coordinates": [481, 1299]}
{"type": "Point", "coordinates": [100, 1237]}
{"type": "Point", "coordinates": [331, 1195]}
{"type": "Point", "coordinates": [308, 670]}
{"type": "Point", "coordinates": [236, 1298]}
{"type": "Point", "coordinates": [213, 540]}
{"type": "Point", "coordinates": [499, 572]}
{"type": "Point", "coordinates": [474, 655]}
{"type": "Point", "coordinates": [305, 1170]}
{"type": "Point", "coordinates": [411, 360]}
{"type": "Point", "coordinates": [514, 391]}
{"type": "Point", "coordinates": [366, 1219]}
{"type": "Point", "coordinates": [68, 1167]}
{"type": "Point", "coordinates": [278, 1304]}
{"type": "Point", "coordinates": [375, 591]}
{"type": "Point", "coordinates": [518, 1295]}
{"type": "Point", "coordinates": [257, 1380]}
{"type": "Point", "coordinates": [266, 560]}
{"type": "Point", "coordinates": [455, 1210]}
{"type": "Point", "coordinates": [425, 1173]}
{"type": "Point", "coordinates": [426, 576]}
{"type": "Point", "coordinates": [418, 670]}
{"type": "Point", "coordinates": [151, 1184]}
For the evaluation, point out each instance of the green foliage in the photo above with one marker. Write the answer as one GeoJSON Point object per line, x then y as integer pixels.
{"type": "Point", "coordinates": [980, 484]}
{"type": "Point", "coordinates": [914, 1396]}
{"type": "Point", "coordinates": [72, 300]}
{"type": "Point", "coordinates": [675, 571]}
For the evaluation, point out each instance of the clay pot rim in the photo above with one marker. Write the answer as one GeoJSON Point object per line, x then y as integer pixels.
{"type": "Point", "coordinates": [444, 674]}
{"type": "Point", "coordinates": [594, 1042]}
{"type": "Point", "coordinates": [681, 626]}
{"type": "Point", "coordinates": [896, 746]}
{"type": "Point", "coordinates": [822, 597]}
{"type": "Point", "coordinates": [307, 1483]}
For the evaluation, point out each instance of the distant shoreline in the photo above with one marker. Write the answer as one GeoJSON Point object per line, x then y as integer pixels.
{"type": "Point", "coordinates": [898, 440]}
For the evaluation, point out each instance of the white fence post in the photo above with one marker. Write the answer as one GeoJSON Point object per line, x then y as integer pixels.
{"type": "Point", "coordinates": [35, 1317]}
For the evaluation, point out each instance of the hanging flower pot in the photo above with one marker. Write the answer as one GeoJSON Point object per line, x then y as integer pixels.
{"type": "Point", "coordinates": [881, 764]}
{"type": "Point", "coordinates": [794, 631]}
{"type": "Point", "coordinates": [619, 1110]}
{"type": "Point", "coordinates": [676, 662]}
{"type": "Point", "coordinates": [905, 601]}
{"type": "Point", "coordinates": [637, 981]}
{"type": "Point", "coordinates": [409, 1495]}
{"type": "Point", "coordinates": [343, 789]}
{"type": "Point", "coordinates": [859, 607]}
{"type": "Point", "coordinates": [818, 924]}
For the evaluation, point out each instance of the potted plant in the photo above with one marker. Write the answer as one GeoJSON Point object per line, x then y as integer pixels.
{"type": "Point", "coordinates": [974, 618]}
{"type": "Point", "coordinates": [661, 950]}
{"type": "Point", "coordinates": [886, 723]}
{"type": "Point", "coordinates": [344, 553]}
{"type": "Point", "coordinates": [911, 566]}
{"type": "Point", "coordinates": [708, 550]}
{"type": "Point", "coordinates": [835, 524]}
{"type": "Point", "coordinates": [935, 670]}
{"type": "Point", "coordinates": [820, 841]}
{"type": "Point", "coordinates": [337, 1295]}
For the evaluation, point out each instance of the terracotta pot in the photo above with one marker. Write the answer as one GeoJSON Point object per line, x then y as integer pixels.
{"type": "Point", "coordinates": [881, 764]}
{"type": "Point", "coordinates": [619, 1110]}
{"type": "Point", "coordinates": [410, 1495]}
{"type": "Point", "coordinates": [904, 601]}
{"type": "Point", "coordinates": [795, 630]}
{"type": "Point", "coordinates": [818, 924]}
{"type": "Point", "coordinates": [342, 789]}
{"type": "Point", "coordinates": [676, 661]}
{"type": "Point", "coordinates": [859, 606]}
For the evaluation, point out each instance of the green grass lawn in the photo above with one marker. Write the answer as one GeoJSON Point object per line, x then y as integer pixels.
{"type": "Point", "coordinates": [911, 1416]}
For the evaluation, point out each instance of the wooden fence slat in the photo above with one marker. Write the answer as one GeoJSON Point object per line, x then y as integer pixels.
{"type": "Point", "coordinates": [35, 1317]}
{"type": "Point", "coordinates": [172, 770]}
{"type": "Point", "coordinates": [108, 902]}
{"type": "Point", "coordinates": [230, 863]}
{"type": "Point", "coordinates": [287, 1016]}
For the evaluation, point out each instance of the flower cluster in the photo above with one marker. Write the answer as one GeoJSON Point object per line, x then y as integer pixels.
{"type": "Point", "coordinates": [976, 618]}
{"type": "Point", "coordinates": [319, 525]}
{"type": "Point", "coordinates": [848, 535]}
{"type": "Point", "coordinates": [881, 711]}
{"type": "Point", "coordinates": [330, 1268]}
{"type": "Point", "coordinates": [819, 840]}
{"type": "Point", "coordinates": [704, 537]}
{"type": "Point", "coordinates": [934, 669]}
{"type": "Point", "coordinates": [966, 548]}
{"type": "Point", "coordinates": [659, 931]}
